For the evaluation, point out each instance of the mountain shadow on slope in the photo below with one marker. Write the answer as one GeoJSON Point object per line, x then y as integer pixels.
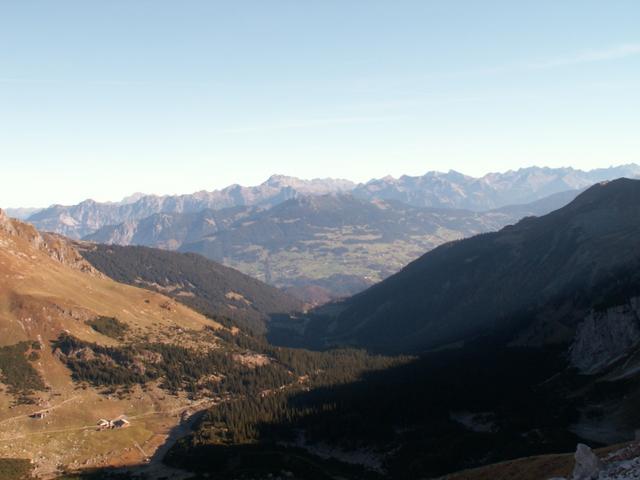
{"type": "Point", "coordinates": [443, 412]}
{"type": "Point", "coordinates": [528, 272]}
{"type": "Point", "coordinates": [404, 422]}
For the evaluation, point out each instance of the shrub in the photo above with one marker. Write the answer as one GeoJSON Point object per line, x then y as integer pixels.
{"type": "Point", "coordinates": [16, 370]}
{"type": "Point", "coordinates": [109, 326]}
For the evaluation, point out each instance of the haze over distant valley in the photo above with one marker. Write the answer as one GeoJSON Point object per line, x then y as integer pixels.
{"type": "Point", "coordinates": [325, 238]}
{"type": "Point", "coordinates": [330, 240]}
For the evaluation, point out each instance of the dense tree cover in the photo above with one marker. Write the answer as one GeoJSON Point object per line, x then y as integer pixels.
{"type": "Point", "coordinates": [109, 326]}
{"type": "Point", "coordinates": [256, 400]}
{"type": "Point", "coordinates": [247, 418]}
{"type": "Point", "coordinates": [178, 368]}
{"type": "Point", "coordinates": [404, 413]}
{"type": "Point", "coordinates": [217, 370]}
{"type": "Point", "coordinates": [16, 370]}
{"type": "Point", "coordinates": [200, 283]}
{"type": "Point", "coordinates": [342, 364]}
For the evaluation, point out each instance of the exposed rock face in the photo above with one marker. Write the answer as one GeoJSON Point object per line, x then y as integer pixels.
{"type": "Point", "coordinates": [621, 464]}
{"type": "Point", "coordinates": [5, 224]}
{"type": "Point", "coordinates": [587, 466]}
{"type": "Point", "coordinates": [605, 336]}
{"type": "Point", "coordinates": [170, 230]}
{"type": "Point", "coordinates": [56, 246]}
{"type": "Point", "coordinates": [60, 248]}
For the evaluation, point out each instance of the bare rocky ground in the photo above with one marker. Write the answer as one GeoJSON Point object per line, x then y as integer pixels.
{"type": "Point", "coordinates": [617, 462]}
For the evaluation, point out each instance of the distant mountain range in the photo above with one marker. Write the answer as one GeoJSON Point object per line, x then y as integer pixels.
{"type": "Point", "coordinates": [437, 190]}
{"type": "Point", "coordinates": [21, 213]}
{"type": "Point", "coordinates": [494, 190]}
{"type": "Point", "coordinates": [320, 247]}
{"type": "Point", "coordinates": [79, 220]}
{"type": "Point", "coordinates": [324, 239]}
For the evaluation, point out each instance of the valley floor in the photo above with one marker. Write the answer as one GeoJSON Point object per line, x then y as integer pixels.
{"type": "Point", "coordinates": [69, 438]}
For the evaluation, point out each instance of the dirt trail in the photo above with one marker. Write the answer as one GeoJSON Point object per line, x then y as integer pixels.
{"type": "Point", "coordinates": [173, 410]}
{"type": "Point", "coordinates": [144, 454]}
{"type": "Point", "coordinates": [27, 415]}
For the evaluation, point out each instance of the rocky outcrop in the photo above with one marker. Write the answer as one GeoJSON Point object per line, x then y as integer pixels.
{"type": "Point", "coordinates": [588, 465]}
{"type": "Point", "coordinates": [60, 248]}
{"type": "Point", "coordinates": [5, 224]}
{"type": "Point", "coordinates": [621, 464]}
{"type": "Point", "coordinates": [55, 246]}
{"type": "Point", "coordinates": [605, 336]}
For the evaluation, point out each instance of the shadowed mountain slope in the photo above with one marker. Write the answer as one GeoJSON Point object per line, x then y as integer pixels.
{"type": "Point", "coordinates": [203, 284]}
{"type": "Point", "coordinates": [499, 282]}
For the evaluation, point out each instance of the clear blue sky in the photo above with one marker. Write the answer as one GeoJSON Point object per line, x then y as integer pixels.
{"type": "Point", "coordinates": [102, 98]}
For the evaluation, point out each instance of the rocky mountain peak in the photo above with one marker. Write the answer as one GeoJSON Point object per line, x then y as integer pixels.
{"type": "Point", "coordinates": [21, 236]}
{"type": "Point", "coordinates": [279, 180]}
{"type": "Point", "coordinates": [132, 198]}
{"type": "Point", "coordinates": [5, 223]}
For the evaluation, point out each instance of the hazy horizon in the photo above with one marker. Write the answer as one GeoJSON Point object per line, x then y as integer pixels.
{"type": "Point", "coordinates": [99, 100]}
{"type": "Point", "coordinates": [139, 193]}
